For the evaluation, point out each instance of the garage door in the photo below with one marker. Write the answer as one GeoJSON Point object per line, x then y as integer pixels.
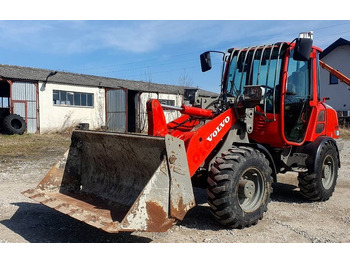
{"type": "Point", "coordinates": [116, 110]}
{"type": "Point", "coordinates": [24, 103]}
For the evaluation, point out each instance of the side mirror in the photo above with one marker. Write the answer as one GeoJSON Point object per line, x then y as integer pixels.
{"type": "Point", "coordinates": [205, 61]}
{"type": "Point", "coordinates": [302, 50]}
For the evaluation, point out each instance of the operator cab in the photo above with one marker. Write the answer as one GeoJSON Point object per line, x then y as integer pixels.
{"type": "Point", "coordinates": [282, 73]}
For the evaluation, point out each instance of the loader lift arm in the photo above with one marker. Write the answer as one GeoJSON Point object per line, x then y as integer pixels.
{"type": "Point", "coordinates": [199, 143]}
{"type": "Point", "coordinates": [336, 73]}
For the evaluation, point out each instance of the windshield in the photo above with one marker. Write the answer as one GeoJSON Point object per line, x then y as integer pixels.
{"type": "Point", "coordinates": [259, 65]}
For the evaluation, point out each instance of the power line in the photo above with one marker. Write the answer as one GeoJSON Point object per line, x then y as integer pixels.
{"type": "Point", "coordinates": [139, 61]}
{"type": "Point", "coordinates": [331, 26]}
{"type": "Point", "coordinates": [143, 61]}
{"type": "Point", "coordinates": [170, 70]}
{"type": "Point", "coordinates": [148, 66]}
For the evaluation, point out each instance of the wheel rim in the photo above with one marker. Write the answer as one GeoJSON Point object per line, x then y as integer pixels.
{"type": "Point", "coordinates": [251, 190]}
{"type": "Point", "coordinates": [328, 172]}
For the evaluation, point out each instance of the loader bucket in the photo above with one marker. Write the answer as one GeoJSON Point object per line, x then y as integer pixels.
{"type": "Point", "coordinates": [120, 182]}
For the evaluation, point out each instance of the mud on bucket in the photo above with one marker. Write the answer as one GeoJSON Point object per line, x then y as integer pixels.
{"type": "Point", "coordinates": [120, 182]}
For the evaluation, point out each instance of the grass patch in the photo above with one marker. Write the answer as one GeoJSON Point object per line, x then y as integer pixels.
{"type": "Point", "coordinates": [40, 145]}
{"type": "Point", "coordinates": [32, 145]}
{"type": "Point", "coordinates": [345, 133]}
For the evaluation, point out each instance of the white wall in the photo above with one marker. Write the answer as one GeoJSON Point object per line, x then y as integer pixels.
{"type": "Point", "coordinates": [339, 94]}
{"type": "Point", "coordinates": [58, 117]}
{"type": "Point", "coordinates": [170, 115]}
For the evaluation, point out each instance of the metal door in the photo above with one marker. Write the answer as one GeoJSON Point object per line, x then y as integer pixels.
{"type": "Point", "coordinates": [116, 110]}
{"type": "Point", "coordinates": [24, 102]}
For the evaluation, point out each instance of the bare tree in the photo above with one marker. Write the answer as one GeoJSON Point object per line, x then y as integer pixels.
{"type": "Point", "coordinates": [146, 76]}
{"type": "Point", "coordinates": [143, 118]}
{"type": "Point", "coordinates": [185, 79]}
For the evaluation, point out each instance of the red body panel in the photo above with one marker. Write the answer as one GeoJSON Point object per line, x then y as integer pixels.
{"type": "Point", "coordinates": [200, 139]}
{"type": "Point", "coordinates": [202, 130]}
{"type": "Point", "coordinates": [317, 123]}
{"type": "Point", "coordinates": [200, 143]}
{"type": "Point", "coordinates": [267, 132]}
{"type": "Point", "coordinates": [156, 120]}
{"type": "Point", "coordinates": [322, 121]}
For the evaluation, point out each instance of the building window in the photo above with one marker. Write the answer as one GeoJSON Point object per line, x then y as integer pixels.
{"type": "Point", "coordinates": [167, 102]}
{"type": "Point", "coordinates": [4, 102]}
{"type": "Point", "coordinates": [333, 80]}
{"type": "Point", "coordinates": [67, 98]}
{"type": "Point", "coordinates": [4, 94]}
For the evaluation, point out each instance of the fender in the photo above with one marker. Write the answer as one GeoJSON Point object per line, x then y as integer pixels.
{"type": "Point", "coordinates": [313, 149]}
{"type": "Point", "coordinates": [267, 154]}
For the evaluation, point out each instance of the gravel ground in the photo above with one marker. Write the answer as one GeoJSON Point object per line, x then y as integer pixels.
{"type": "Point", "coordinates": [289, 218]}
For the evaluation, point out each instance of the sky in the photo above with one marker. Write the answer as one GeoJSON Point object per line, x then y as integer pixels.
{"type": "Point", "coordinates": [146, 49]}
{"type": "Point", "coordinates": [156, 40]}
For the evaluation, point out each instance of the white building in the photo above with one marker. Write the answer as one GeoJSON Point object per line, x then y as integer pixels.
{"type": "Point", "coordinates": [51, 101]}
{"type": "Point", "coordinates": [337, 55]}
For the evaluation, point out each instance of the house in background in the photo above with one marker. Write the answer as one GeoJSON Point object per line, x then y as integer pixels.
{"type": "Point", "coordinates": [51, 101]}
{"type": "Point", "coordinates": [337, 55]}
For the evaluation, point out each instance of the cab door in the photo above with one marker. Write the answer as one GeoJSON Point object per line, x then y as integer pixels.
{"type": "Point", "coordinates": [296, 100]}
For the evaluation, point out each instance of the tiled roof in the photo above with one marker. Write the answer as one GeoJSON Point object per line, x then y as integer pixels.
{"type": "Point", "coordinates": [36, 74]}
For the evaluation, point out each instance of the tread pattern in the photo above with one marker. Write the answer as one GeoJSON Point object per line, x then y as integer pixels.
{"type": "Point", "coordinates": [9, 129]}
{"type": "Point", "coordinates": [223, 183]}
{"type": "Point", "coordinates": [310, 184]}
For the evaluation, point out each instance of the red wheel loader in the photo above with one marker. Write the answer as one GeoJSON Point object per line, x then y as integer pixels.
{"type": "Point", "coordinates": [268, 119]}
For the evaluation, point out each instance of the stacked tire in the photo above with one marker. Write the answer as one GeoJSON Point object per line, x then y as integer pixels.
{"type": "Point", "coordinates": [14, 125]}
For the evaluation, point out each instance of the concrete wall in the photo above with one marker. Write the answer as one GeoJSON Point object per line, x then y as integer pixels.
{"type": "Point", "coordinates": [169, 114]}
{"type": "Point", "coordinates": [53, 118]}
{"type": "Point", "coordinates": [339, 94]}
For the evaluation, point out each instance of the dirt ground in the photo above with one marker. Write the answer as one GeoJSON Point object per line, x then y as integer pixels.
{"type": "Point", "coordinates": [289, 218]}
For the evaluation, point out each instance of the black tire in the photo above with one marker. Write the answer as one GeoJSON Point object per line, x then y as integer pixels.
{"type": "Point", "coordinates": [239, 187]}
{"type": "Point", "coordinates": [319, 185]}
{"type": "Point", "coordinates": [14, 125]}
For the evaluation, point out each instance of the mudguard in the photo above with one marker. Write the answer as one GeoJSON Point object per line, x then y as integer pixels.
{"type": "Point", "coordinates": [313, 149]}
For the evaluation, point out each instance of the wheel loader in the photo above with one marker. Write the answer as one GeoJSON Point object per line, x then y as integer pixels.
{"type": "Point", "coordinates": [268, 119]}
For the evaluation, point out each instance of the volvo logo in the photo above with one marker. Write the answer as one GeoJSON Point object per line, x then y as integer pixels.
{"type": "Point", "coordinates": [218, 128]}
